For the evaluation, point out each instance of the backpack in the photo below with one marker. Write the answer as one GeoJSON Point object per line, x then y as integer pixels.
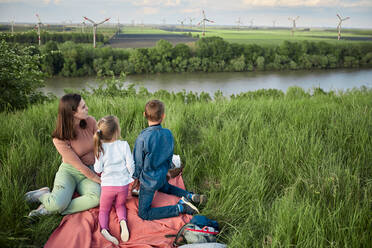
{"type": "Point", "coordinates": [200, 229]}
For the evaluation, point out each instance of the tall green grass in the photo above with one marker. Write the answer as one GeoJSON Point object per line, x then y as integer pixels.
{"type": "Point", "coordinates": [280, 170]}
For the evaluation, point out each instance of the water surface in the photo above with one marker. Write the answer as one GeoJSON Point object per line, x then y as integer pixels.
{"type": "Point", "coordinates": [229, 82]}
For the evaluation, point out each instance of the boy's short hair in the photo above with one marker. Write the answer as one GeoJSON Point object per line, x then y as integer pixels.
{"type": "Point", "coordinates": [154, 110]}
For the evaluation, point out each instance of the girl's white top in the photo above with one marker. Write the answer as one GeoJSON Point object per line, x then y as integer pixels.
{"type": "Point", "coordinates": [116, 164]}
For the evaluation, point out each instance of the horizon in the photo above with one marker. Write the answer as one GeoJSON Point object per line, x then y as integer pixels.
{"type": "Point", "coordinates": [255, 13]}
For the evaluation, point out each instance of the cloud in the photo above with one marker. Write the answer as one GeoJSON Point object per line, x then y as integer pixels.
{"type": "Point", "coordinates": [192, 11]}
{"type": "Point", "coordinates": [171, 3]}
{"type": "Point", "coordinates": [150, 11]}
{"type": "Point", "coordinates": [307, 3]}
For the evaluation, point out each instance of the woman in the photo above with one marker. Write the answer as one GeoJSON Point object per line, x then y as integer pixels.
{"type": "Point", "coordinates": [73, 139]}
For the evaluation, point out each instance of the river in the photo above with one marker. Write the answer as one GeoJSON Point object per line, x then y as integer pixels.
{"type": "Point", "coordinates": [230, 82]}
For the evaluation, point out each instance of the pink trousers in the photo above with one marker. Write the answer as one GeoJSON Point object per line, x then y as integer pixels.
{"type": "Point", "coordinates": [109, 194]}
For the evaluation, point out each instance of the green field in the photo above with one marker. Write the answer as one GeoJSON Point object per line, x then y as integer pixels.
{"type": "Point", "coordinates": [263, 36]}
{"type": "Point", "coordinates": [280, 170]}
{"type": "Point", "coordinates": [276, 36]}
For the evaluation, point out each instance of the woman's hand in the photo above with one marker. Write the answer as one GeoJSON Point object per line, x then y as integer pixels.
{"type": "Point", "coordinates": [97, 179]}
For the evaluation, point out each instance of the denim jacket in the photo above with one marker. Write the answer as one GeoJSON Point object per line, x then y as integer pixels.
{"type": "Point", "coordinates": [153, 153]}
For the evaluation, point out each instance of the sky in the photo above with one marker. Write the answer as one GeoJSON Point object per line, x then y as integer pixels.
{"type": "Point", "coordinates": [312, 13]}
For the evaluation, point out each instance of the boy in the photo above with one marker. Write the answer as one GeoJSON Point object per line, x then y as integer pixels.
{"type": "Point", "coordinates": [153, 153]}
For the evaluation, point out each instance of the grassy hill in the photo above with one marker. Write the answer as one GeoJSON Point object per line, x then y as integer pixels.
{"type": "Point", "coordinates": [280, 169]}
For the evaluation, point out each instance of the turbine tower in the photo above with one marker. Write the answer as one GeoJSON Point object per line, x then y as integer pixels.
{"type": "Point", "coordinates": [12, 25]}
{"type": "Point", "coordinates": [118, 25]}
{"type": "Point", "coordinates": [203, 22]}
{"type": "Point", "coordinates": [339, 25]}
{"type": "Point", "coordinates": [163, 21]}
{"type": "Point", "coordinates": [95, 28]}
{"type": "Point", "coordinates": [293, 19]}
{"type": "Point", "coordinates": [83, 27]}
{"type": "Point", "coordinates": [274, 22]}
{"type": "Point", "coordinates": [239, 22]}
{"type": "Point", "coordinates": [191, 20]}
{"type": "Point", "coordinates": [182, 21]}
{"type": "Point", "coordinates": [38, 28]}
{"type": "Point", "coordinates": [251, 22]}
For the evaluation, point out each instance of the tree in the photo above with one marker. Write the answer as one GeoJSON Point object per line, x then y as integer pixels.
{"type": "Point", "coordinates": [20, 77]}
{"type": "Point", "coordinates": [238, 64]}
{"type": "Point", "coordinates": [53, 59]}
{"type": "Point", "coordinates": [260, 62]}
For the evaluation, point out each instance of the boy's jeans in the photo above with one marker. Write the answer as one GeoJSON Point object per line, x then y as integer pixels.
{"type": "Point", "coordinates": [145, 199]}
{"type": "Point", "coordinates": [66, 181]}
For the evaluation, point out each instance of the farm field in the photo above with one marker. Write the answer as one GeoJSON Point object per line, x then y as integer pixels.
{"type": "Point", "coordinates": [147, 40]}
{"type": "Point", "coordinates": [262, 36]}
{"type": "Point", "coordinates": [247, 36]}
{"type": "Point", "coordinates": [275, 36]}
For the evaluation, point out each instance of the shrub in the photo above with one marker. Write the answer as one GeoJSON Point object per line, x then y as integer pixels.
{"type": "Point", "coordinates": [296, 92]}
{"type": "Point", "coordinates": [20, 77]}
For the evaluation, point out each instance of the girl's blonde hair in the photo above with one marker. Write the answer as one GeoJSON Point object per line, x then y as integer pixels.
{"type": "Point", "coordinates": [108, 129]}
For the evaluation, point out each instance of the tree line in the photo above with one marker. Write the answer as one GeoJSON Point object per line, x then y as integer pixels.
{"type": "Point", "coordinates": [211, 54]}
{"type": "Point", "coordinates": [24, 67]}
{"type": "Point", "coordinates": [32, 37]}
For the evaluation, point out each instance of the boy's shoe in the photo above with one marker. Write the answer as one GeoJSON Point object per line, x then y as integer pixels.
{"type": "Point", "coordinates": [188, 207]}
{"type": "Point", "coordinates": [39, 211]}
{"type": "Point", "coordinates": [33, 196]}
{"type": "Point", "coordinates": [124, 233]}
{"type": "Point", "coordinates": [109, 237]}
{"type": "Point", "coordinates": [199, 199]}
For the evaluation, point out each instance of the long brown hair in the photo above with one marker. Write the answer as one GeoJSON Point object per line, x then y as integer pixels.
{"type": "Point", "coordinates": [68, 105]}
{"type": "Point", "coordinates": [108, 128]}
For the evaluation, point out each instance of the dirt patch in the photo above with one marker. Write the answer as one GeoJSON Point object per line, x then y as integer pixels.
{"type": "Point", "coordinates": [146, 40]}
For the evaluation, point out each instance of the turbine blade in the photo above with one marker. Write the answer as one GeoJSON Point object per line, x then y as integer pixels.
{"type": "Point", "coordinates": [104, 21]}
{"type": "Point", "coordinates": [38, 17]}
{"type": "Point", "coordinates": [89, 20]}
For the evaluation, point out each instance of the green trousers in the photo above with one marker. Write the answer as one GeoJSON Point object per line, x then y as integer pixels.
{"type": "Point", "coordinates": [66, 181]}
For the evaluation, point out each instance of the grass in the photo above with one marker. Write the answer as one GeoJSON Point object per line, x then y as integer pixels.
{"type": "Point", "coordinates": [289, 170]}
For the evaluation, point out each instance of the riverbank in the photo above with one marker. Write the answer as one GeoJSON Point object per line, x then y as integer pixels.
{"type": "Point", "coordinates": [280, 170]}
{"type": "Point", "coordinates": [227, 82]}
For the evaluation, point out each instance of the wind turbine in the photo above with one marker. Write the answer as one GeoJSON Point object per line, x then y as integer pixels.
{"type": "Point", "coordinates": [203, 21]}
{"type": "Point", "coordinates": [95, 28]}
{"type": "Point", "coordinates": [239, 22]}
{"type": "Point", "coordinates": [12, 25]}
{"type": "Point", "coordinates": [293, 19]}
{"type": "Point", "coordinates": [118, 25]}
{"type": "Point", "coordinates": [339, 25]}
{"type": "Point", "coordinates": [182, 21]}
{"type": "Point", "coordinates": [163, 21]}
{"type": "Point", "coordinates": [83, 27]}
{"type": "Point", "coordinates": [274, 22]}
{"type": "Point", "coordinates": [251, 22]}
{"type": "Point", "coordinates": [191, 20]}
{"type": "Point", "coordinates": [38, 28]}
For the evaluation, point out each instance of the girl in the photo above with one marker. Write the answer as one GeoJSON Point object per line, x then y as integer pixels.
{"type": "Point", "coordinates": [114, 159]}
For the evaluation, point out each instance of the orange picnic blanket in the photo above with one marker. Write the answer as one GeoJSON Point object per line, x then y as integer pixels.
{"type": "Point", "coordinates": [82, 229]}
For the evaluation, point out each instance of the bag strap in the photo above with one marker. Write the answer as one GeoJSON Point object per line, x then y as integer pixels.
{"type": "Point", "coordinates": [178, 235]}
